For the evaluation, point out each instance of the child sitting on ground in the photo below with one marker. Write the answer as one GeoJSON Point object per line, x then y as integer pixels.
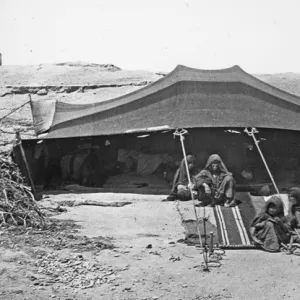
{"type": "Point", "coordinates": [271, 228]}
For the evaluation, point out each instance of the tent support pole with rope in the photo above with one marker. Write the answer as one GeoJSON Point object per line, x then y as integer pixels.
{"type": "Point", "coordinates": [252, 134]}
{"type": "Point", "coordinates": [181, 134]}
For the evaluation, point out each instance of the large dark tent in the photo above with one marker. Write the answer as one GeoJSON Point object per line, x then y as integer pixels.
{"type": "Point", "coordinates": [185, 98]}
{"type": "Point", "coordinates": [213, 105]}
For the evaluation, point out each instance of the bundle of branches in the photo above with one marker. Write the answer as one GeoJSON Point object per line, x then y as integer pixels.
{"type": "Point", "coordinates": [17, 204]}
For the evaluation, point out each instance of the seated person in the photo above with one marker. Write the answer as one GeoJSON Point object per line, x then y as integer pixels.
{"type": "Point", "coordinates": [180, 189]}
{"type": "Point", "coordinates": [294, 209]}
{"type": "Point", "coordinates": [271, 228]}
{"type": "Point", "coordinates": [215, 184]}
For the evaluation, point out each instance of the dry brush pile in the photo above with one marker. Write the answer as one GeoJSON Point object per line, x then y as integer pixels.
{"type": "Point", "coordinates": [17, 204]}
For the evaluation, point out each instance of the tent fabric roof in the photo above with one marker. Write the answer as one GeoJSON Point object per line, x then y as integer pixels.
{"type": "Point", "coordinates": [186, 97]}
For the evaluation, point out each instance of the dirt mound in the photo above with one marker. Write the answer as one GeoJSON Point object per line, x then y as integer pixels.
{"type": "Point", "coordinates": [289, 82]}
{"type": "Point", "coordinates": [108, 67]}
{"type": "Point", "coordinates": [70, 74]}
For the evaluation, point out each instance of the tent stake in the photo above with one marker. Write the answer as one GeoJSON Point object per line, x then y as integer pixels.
{"type": "Point", "coordinates": [19, 142]}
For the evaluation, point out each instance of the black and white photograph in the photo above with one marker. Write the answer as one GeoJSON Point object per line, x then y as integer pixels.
{"type": "Point", "coordinates": [149, 150]}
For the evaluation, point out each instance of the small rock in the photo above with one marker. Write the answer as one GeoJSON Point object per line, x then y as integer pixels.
{"type": "Point", "coordinates": [42, 92]}
{"type": "Point", "coordinates": [127, 288]}
{"type": "Point", "coordinates": [219, 252]}
{"type": "Point", "coordinates": [149, 246]}
{"type": "Point", "coordinates": [184, 286]}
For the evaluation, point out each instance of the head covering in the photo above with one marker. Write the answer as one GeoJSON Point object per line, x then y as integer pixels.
{"type": "Point", "coordinates": [276, 200]}
{"type": "Point", "coordinates": [262, 216]}
{"type": "Point", "coordinates": [295, 193]}
{"type": "Point", "coordinates": [181, 174]}
{"type": "Point", "coordinates": [216, 157]}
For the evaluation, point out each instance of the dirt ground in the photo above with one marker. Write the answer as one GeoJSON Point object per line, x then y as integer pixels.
{"type": "Point", "coordinates": [132, 252]}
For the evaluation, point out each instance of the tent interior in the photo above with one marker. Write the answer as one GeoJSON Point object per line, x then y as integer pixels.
{"type": "Point", "coordinates": [146, 162]}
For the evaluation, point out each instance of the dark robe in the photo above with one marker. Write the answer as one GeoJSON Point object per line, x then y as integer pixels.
{"type": "Point", "coordinates": [270, 231]}
{"type": "Point", "coordinates": [222, 186]}
{"type": "Point", "coordinates": [181, 178]}
{"type": "Point", "coordinates": [294, 209]}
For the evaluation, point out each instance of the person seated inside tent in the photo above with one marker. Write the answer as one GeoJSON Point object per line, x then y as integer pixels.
{"type": "Point", "coordinates": [180, 189]}
{"type": "Point", "coordinates": [271, 228]}
{"type": "Point", "coordinates": [215, 184]}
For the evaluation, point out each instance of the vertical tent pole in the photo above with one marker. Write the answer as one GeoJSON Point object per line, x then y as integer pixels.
{"type": "Point", "coordinates": [181, 134]}
{"type": "Point", "coordinates": [19, 142]}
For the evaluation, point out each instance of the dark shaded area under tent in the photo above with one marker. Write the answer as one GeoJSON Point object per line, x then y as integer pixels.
{"type": "Point", "coordinates": [93, 161]}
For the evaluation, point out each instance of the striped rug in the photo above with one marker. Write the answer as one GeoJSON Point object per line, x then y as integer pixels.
{"type": "Point", "coordinates": [231, 226]}
{"type": "Point", "coordinates": [233, 223]}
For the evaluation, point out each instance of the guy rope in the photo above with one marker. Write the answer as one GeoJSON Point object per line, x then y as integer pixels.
{"type": "Point", "coordinates": [181, 133]}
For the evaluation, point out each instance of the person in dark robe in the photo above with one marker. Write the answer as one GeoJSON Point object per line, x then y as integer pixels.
{"type": "Point", "coordinates": [294, 209]}
{"type": "Point", "coordinates": [271, 228]}
{"type": "Point", "coordinates": [215, 184]}
{"type": "Point", "coordinates": [180, 189]}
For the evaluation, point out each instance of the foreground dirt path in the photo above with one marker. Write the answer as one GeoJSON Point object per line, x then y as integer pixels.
{"type": "Point", "coordinates": [148, 262]}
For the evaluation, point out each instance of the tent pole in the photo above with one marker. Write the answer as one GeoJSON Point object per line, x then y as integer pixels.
{"type": "Point", "coordinates": [19, 142]}
{"type": "Point", "coordinates": [252, 134]}
{"type": "Point", "coordinates": [204, 249]}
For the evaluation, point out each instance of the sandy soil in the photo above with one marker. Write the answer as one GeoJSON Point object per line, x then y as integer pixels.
{"type": "Point", "coordinates": [167, 270]}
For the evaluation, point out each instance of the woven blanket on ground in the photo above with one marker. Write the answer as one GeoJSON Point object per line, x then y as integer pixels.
{"type": "Point", "coordinates": [230, 226]}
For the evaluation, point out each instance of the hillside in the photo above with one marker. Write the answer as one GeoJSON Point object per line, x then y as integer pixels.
{"type": "Point", "coordinates": [78, 82]}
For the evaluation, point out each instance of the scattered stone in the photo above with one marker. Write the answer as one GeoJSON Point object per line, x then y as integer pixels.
{"type": "Point", "coordinates": [75, 272]}
{"type": "Point", "coordinates": [42, 92]}
{"type": "Point", "coordinates": [155, 253]}
{"type": "Point", "coordinates": [174, 258]}
{"type": "Point", "coordinates": [219, 252]}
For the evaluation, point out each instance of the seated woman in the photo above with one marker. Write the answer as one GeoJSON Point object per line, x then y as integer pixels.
{"type": "Point", "coordinates": [215, 184]}
{"type": "Point", "coordinates": [180, 189]}
{"type": "Point", "coordinates": [271, 228]}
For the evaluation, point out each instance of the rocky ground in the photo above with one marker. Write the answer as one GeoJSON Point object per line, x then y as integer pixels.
{"type": "Point", "coordinates": [131, 252]}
